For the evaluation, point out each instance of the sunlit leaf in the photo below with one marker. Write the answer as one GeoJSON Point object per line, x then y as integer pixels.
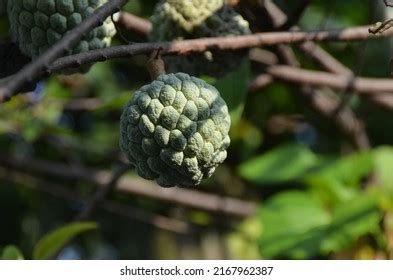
{"type": "Point", "coordinates": [351, 220]}
{"type": "Point", "coordinates": [291, 223]}
{"type": "Point", "coordinates": [340, 179]}
{"type": "Point", "coordinates": [383, 168]}
{"type": "Point", "coordinates": [11, 252]}
{"type": "Point", "coordinates": [286, 163]}
{"type": "Point", "coordinates": [297, 225]}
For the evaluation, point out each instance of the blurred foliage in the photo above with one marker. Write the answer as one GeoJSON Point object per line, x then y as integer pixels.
{"type": "Point", "coordinates": [54, 241]}
{"type": "Point", "coordinates": [11, 252]}
{"type": "Point", "coordinates": [317, 198]}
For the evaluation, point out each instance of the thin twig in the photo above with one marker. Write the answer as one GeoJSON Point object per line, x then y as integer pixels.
{"type": "Point", "coordinates": [364, 86]}
{"type": "Point", "coordinates": [187, 197]}
{"type": "Point", "coordinates": [346, 121]}
{"type": "Point", "coordinates": [135, 23]}
{"type": "Point", "coordinates": [127, 211]}
{"type": "Point", "coordinates": [100, 195]}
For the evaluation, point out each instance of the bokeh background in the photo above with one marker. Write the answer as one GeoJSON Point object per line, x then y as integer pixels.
{"type": "Point", "coordinates": [316, 196]}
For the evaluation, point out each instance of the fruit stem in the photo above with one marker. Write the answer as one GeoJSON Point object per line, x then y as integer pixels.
{"type": "Point", "coordinates": [155, 65]}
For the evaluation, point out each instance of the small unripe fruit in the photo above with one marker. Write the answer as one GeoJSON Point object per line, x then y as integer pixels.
{"type": "Point", "coordinates": [38, 24]}
{"type": "Point", "coordinates": [191, 19]}
{"type": "Point", "coordinates": [175, 130]}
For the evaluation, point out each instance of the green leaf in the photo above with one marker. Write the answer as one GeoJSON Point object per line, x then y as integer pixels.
{"type": "Point", "coordinates": [54, 241]}
{"type": "Point", "coordinates": [116, 103]}
{"type": "Point", "coordinates": [351, 169]}
{"type": "Point", "coordinates": [383, 183]}
{"type": "Point", "coordinates": [340, 180]}
{"type": "Point", "coordinates": [351, 220]}
{"type": "Point", "coordinates": [11, 252]}
{"type": "Point", "coordinates": [233, 88]}
{"type": "Point", "coordinates": [383, 168]}
{"type": "Point", "coordinates": [291, 225]}
{"type": "Point", "coordinates": [286, 163]}
{"type": "Point", "coordinates": [296, 225]}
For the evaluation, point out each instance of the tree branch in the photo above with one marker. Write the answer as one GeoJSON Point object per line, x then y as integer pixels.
{"type": "Point", "coordinates": [366, 86]}
{"type": "Point", "coordinates": [127, 211]}
{"type": "Point", "coordinates": [101, 194]}
{"type": "Point", "coordinates": [186, 197]}
{"type": "Point", "coordinates": [215, 43]}
{"type": "Point", "coordinates": [325, 105]}
{"type": "Point", "coordinates": [134, 23]}
{"type": "Point", "coordinates": [325, 60]}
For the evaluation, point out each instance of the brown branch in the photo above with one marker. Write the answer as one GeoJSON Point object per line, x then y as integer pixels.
{"type": "Point", "coordinates": [327, 61]}
{"type": "Point", "coordinates": [134, 23]}
{"type": "Point", "coordinates": [366, 86]}
{"type": "Point", "coordinates": [332, 65]}
{"type": "Point", "coordinates": [33, 70]}
{"type": "Point", "coordinates": [325, 105]}
{"type": "Point", "coordinates": [216, 43]}
{"type": "Point", "coordinates": [127, 211]}
{"type": "Point", "coordinates": [186, 197]}
{"type": "Point", "coordinates": [100, 195]}
{"type": "Point", "coordinates": [324, 59]}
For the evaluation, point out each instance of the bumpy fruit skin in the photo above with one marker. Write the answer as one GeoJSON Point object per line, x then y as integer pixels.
{"type": "Point", "coordinates": [37, 24]}
{"type": "Point", "coordinates": [175, 130]}
{"type": "Point", "coordinates": [190, 19]}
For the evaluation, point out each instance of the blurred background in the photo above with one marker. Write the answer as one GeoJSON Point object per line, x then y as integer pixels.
{"type": "Point", "coordinates": [305, 188]}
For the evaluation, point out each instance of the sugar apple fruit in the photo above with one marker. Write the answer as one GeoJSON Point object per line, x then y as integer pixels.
{"type": "Point", "coordinates": [38, 24]}
{"type": "Point", "coordinates": [175, 130]}
{"type": "Point", "coordinates": [191, 19]}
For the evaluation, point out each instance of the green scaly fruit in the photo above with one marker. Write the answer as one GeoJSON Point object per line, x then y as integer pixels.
{"type": "Point", "coordinates": [38, 24]}
{"type": "Point", "coordinates": [175, 130]}
{"type": "Point", "coordinates": [191, 19]}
